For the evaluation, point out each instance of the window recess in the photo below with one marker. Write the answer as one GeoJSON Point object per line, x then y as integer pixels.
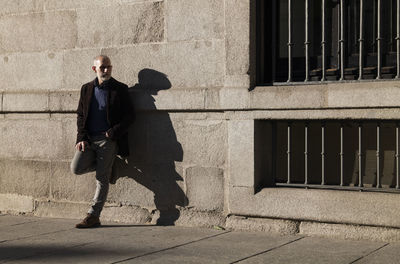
{"type": "Point", "coordinates": [327, 40]}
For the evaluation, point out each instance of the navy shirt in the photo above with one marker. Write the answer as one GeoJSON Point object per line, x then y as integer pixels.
{"type": "Point", "coordinates": [97, 122]}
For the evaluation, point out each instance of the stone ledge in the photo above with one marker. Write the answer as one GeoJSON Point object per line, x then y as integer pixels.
{"type": "Point", "coordinates": [15, 203]}
{"type": "Point", "coordinates": [353, 232]}
{"type": "Point", "coordinates": [329, 206]}
{"type": "Point", "coordinates": [365, 99]}
{"type": "Point", "coordinates": [279, 226]}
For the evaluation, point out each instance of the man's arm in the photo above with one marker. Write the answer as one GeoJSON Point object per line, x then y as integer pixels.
{"type": "Point", "coordinates": [82, 132]}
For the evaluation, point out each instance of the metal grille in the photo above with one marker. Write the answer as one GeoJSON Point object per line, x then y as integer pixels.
{"type": "Point", "coordinates": [353, 155]}
{"type": "Point", "coordinates": [342, 40]}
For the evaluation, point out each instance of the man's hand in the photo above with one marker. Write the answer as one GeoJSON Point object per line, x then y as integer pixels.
{"type": "Point", "coordinates": [110, 133]}
{"type": "Point", "coordinates": [80, 146]}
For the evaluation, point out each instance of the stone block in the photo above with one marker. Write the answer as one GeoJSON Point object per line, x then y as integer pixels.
{"type": "Point", "coordinates": [142, 23]}
{"type": "Point", "coordinates": [205, 188]}
{"type": "Point", "coordinates": [203, 141]}
{"type": "Point", "coordinates": [212, 98]}
{"type": "Point", "coordinates": [77, 68]}
{"type": "Point", "coordinates": [354, 232]}
{"type": "Point", "coordinates": [178, 61]}
{"type": "Point", "coordinates": [237, 81]}
{"type": "Point", "coordinates": [193, 218]}
{"type": "Point", "coordinates": [365, 94]}
{"type": "Point", "coordinates": [21, 6]}
{"type": "Point", "coordinates": [148, 185]}
{"type": "Point", "coordinates": [375, 209]}
{"type": "Point", "coordinates": [10, 202]}
{"type": "Point", "coordinates": [25, 177]}
{"type": "Point", "coordinates": [125, 24]}
{"type": "Point", "coordinates": [36, 31]}
{"type": "Point", "coordinates": [77, 4]}
{"type": "Point", "coordinates": [241, 153]}
{"type": "Point", "coordinates": [278, 226]}
{"type": "Point", "coordinates": [69, 210]}
{"type": "Point", "coordinates": [234, 98]}
{"type": "Point", "coordinates": [182, 99]}
{"type": "Point", "coordinates": [237, 19]}
{"type": "Point", "coordinates": [29, 139]}
{"type": "Point", "coordinates": [196, 19]}
{"type": "Point", "coordinates": [126, 214]}
{"type": "Point", "coordinates": [31, 71]}
{"type": "Point", "coordinates": [67, 186]}
{"type": "Point", "coordinates": [62, 101]}
{"type": "Point", "coordinates": [25, 102]}
{"type": "Point", "coordinates": [288, 97]}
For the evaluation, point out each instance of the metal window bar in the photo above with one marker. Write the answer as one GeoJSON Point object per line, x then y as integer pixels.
{"type": "Point", "coordinates": [397, 157]}
{"type": "Point", "coordinates": [398, 39]}
{"type": "Point", "coordinates": [342, 39]}
{"type": "Point", "coordinates": [288, 152]}
{"type": "Point", "coordinates": [361, 41]}
{"type": "Point", "coordinates": [323, 43]}
{"type": "Point", "coordinates": [361, 7]}
{"type": "Point", "coordinates": [323, 154]}
{"type": "Point", "coordinates": [327, 180]}
{"type": "Point", "coordinates": [379, 42]}
{"type": "Point", "coordinates": [360, 183]}
{"type": "Point", "coordinates": [306, 42]}
{"type": "Point", "coordinates": [378, 178]}
{"type": "Point", "coordinates": [290, 44]}
{"type": "Point", "coordinates": [306, 154]}
{"type": "Point", "coordinates": [341, 155]}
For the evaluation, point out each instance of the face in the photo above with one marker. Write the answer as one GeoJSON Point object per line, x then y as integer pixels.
{"type": "Point", "coordinates": [102, 67]}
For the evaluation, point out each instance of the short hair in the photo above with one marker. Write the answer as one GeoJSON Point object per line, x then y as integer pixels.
{"type": "Point", "coordinates": [98, 57]}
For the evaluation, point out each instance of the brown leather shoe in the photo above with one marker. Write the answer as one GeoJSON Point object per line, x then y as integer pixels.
{"type": "Point", "coordinates": [89, 222]}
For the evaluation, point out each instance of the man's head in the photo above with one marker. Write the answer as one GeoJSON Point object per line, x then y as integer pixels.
{"type": "Point", "coordinates": [102, 67]}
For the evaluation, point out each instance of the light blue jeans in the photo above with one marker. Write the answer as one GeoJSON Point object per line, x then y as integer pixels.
{"type": "Point", "coordinates": [99, 157]}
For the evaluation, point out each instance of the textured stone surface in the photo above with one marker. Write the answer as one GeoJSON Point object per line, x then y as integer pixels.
{"type": "Point", "coordinates": [184, 64]}
{"type": "Point", "coordinates": [63, 101]}
{"type": "Point", "coordinates": [15, 203]}
{"type": "Point", "coordinates": [196, 19]}
{"type": "Point", "coordinates": [77, 68]}
{"type": "Point", "coordinates": [205, 188]}
{"type": "Point", "coordinates": [126, 214]}
{"type": "Point", "coordinates": [237, 15]}
{"type": "Point", "coordinates": [354, 232]}
{"type": "Point", "coordinates": [29, 138]}
{"type": "Point", "coordinates": [127, 24]}
{"type": "Point", "coordinates": [67, 186]}
{"type": "Point", "coordinates": [204, 141]}
{"type": "Point", "coordinates": [25, 102]}
{"type": "Point", "coordinates": [241, 153]}
{"type": "Point", "coordinates": [24, 72]}
{"type": "Point", "coordinates": [35, 31]}
{"type": "Point", "coordinates": [194, 218]}
{"type": "Point", "coordinates": [282, 227]}
{"type": "Point", "coordinates": [24, 177]}
{"type": "Point", "coordinates": [45, 208]}
{"type": "Point", "coordinates": [363, 208]}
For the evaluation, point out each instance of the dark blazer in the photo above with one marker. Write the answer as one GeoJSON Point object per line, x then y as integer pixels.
{"type": "Point", "coordinates": [120, 113]}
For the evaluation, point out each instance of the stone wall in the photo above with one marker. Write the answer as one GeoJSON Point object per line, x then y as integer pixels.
{"type": "Point", "coordinates": [189, 66]}
{"type": "Point", "coordinates": [171, 54]}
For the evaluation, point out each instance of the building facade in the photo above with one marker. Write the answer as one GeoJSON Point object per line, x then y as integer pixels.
{"type": "Point", "coordinates": [262, 115]}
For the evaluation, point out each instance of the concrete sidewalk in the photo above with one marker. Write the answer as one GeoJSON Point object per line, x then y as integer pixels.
{"type": "Point", "coordinates": [43, 240]}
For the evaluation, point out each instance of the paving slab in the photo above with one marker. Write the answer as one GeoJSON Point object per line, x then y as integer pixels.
{"type": "Point", "coordinates": [317, 250]}
{"type": "Point", "coordinates": [224, 248]}
{"type": "Point", "coordinates": [389, 254]}
{"type": "Point", "coordinates": [45, 240]}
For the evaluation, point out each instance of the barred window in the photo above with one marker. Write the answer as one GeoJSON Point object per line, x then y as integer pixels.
{"type": "Point", "coordinates": [327, 40]}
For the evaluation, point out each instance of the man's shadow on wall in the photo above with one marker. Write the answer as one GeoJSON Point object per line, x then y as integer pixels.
{"type": "Point", "coordinates": [154, 148]}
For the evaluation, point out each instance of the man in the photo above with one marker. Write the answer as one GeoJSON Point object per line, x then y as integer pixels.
{"type": "Point", "coordinates": [104, 115]}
